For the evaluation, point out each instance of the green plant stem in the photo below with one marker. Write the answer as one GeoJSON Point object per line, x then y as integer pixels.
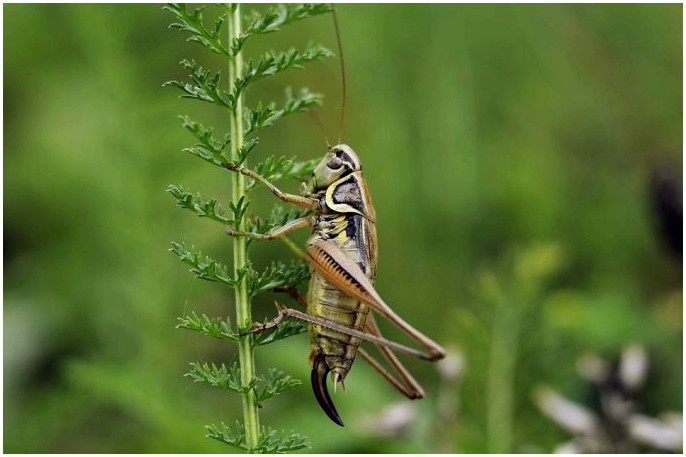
{"type": "Point", "coordinates": [501, 370]}
{"type": "Point", "coordinates": [240, 251]}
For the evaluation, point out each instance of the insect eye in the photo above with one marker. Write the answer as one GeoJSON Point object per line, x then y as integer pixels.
{"type": "Point", "coordinates": [335, 163]}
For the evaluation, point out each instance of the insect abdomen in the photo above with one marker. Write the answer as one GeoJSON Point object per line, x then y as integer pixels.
{"type": "Point", "coordinates": [327, 302]}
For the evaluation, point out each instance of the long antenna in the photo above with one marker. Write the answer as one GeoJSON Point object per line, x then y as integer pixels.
{"type": "Point", "coordinates": [342, 60]}
{"type": "Point", "coordinates": [318, 122]}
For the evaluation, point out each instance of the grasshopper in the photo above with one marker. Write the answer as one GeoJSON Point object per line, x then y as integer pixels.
{"type": "Point", "coordinates": [342, 253]}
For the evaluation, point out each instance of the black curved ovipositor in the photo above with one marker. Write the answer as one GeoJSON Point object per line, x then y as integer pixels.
{"type": "Point", "coordinates": [319, 372]}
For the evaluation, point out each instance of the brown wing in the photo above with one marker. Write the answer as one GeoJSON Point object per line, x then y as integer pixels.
{"type": "Point", "coordinates": [344, 274]}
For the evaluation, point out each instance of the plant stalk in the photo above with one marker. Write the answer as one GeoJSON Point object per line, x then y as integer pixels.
{"type": "Point", "coordinates": [246, 354]}
{"type": "Point", "coordinates": [501, 372]}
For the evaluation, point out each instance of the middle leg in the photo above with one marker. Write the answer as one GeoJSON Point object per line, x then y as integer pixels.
{"type": "Point", "coordinates": [297, 224]}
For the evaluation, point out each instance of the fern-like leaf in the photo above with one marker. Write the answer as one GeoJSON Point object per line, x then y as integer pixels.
{"type": "Point", "coordinates": [204, 86]}
{"type": "Point", "coordinates": [203, 208]}
{"type": "Point", "coordinates": [273, 383]}
{"type": "Point", "coordinates": [192, 22]}
{"type": "Point", "coordinates": [275, 168]}
{"type": "Point", "coordinates": [273, 442]}
{"type": "Point", "coordinates": [209, 148]}
{"type": "Point", "coordinates": [204, 267]}
{"type": "Point", "coordinates": [272, 63]}
{"type": "Point", "coordinates": [285, 329]}
{"type": "Point", "coordinates": [222, 377]}
{"type": "Point", "coordinates": [232, 436]}
{"type": "Point", "coordinates": [266, 116]}
{"type": "Point", "coordinates": [210, 326]}
{"type": "Point", "coordinates": [278, 274]}
{"type": "Point", "coordinates": [274, 18]}
{"type": "Point", "coordinates": [245, 149]}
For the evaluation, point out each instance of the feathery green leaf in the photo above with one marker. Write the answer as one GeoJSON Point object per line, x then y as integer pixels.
{"type": "Point", "coordinates": [239, 209]}
{"type": "Point", "coordinates": [210, 326]}
{"type": "Point", "coordinates": [232, 436]}
{"type": "Point", "coordinates": [209, 148]}
{"type": "Point", "coordinates": [203, 208]}
{"type": "Point", "coordinates": [277, 168]}
{"type": "Point", "coordinates": [273, 383]}
{"type": "Point", "coordinates": [285, 329]}
{"type": "Point", "coordinates": [278, 274]}
{"type": "Point", "coordinates": [204, 86]}
{"type": "Point", "coordinates": [274, 18]}
{"type": "Point", "coordinates": [223, 377]}
{"type": "Point", "coordinates": [271, 63]}
{"type": "Point", "coordinates": [193, 23]}
{"type": "Point", "coordinates": [273, 442]}
{"type": "Point", "coordinates": [203, 266]}
{"type": "Point", "coordinates": [266, 116]}
{"type": "Point", "coordinates": [245, 149]}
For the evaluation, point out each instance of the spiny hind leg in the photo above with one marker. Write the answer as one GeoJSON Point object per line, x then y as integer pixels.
{"type": "Point", "coordinates": [364, 336]}
{"type": "Point", "coordinates": [408, 386]}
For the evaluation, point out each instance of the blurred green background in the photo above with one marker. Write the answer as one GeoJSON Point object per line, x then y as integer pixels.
{"type": "Point", "coordinates": [509, 151]}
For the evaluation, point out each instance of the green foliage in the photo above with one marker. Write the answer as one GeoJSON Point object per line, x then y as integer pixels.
{"type": "Point", "coordinates": [220, 376]}
{"type": "Point", "coordinates": [203, 86]}
{"type": "Point", "coordinates": [273, 383]}
{"type": "Point", "coordinates": [209, 148]}
{"type": "Point", "coordinates": [204, 267]}
{"type": "Point", "coordinates": [278, 274]}
{"type": "Point", "coordinates": [278, 168]}
{"type": "Point", "coordinates": [274, 18]}
{"type": "Point", "coordinates": [232, 436]}
{"type": "Point", "coordinates": [193, 23]}
{"type": "Point", "coordinates": [210, 326]}
{"type": "Point", "coordinates": [203, 208]}
{"type": "Point", "coordinates": [285, 329]}
{"type": "Point", "coordinates": [268, 386]}
{"type": "Point", "coordinates": [271, 441]}
{"type": "Point", "coordinates": [261, 117]}
{"type": "Point", "coordinates": [206, 86]}
{"type": "Point", "coordinates": [267, 22]}
{"type": "Point", "coordinates": [271, 64]}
